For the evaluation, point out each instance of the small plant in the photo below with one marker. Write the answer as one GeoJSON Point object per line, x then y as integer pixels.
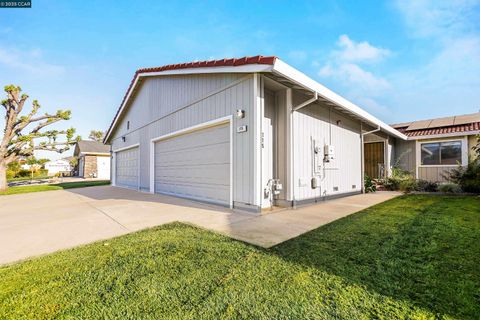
{"type": "Point", "coordinates": [397, 179]}
{"type": "Point", "coordinates": [369, 184]}
{"type": "Point", "coordinates": [468, 178]}
{"type": "Point", "coordinates": [449, 188]}
{"type": "Point", "coordinates": [427, 186]}
{"type": "Point", "coordinates": [408, 185]}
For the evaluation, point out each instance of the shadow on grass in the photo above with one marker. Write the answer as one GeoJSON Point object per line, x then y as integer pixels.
{"type": "Point", "coordinates": [421, 249]}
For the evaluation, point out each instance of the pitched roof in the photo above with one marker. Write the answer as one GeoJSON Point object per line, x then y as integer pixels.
{"type": "Point", "coordinates": [468, 123]}
{"type": "Point", "coordinates": [231, 62]}
{"type": "Point", "coordinates": [257, 64]}
{"type": "Point", "coordinates": [227, 62]}
{"type": "Point", "coordinates": [89, 146]}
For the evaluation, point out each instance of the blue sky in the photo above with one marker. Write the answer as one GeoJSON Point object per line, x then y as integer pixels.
{"type": "Point", "coordinates": [400, 60]}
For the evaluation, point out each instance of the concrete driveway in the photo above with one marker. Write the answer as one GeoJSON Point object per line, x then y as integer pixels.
{"type": "Point", "coordinates": [38, 223]}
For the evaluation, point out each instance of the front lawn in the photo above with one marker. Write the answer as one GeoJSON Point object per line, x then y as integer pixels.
{"type": "Point", "coordinates": [411, 257]}
{"type": "Point", "coordinates": [56, 186]}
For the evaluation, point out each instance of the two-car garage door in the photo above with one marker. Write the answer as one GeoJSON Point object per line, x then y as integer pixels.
{"type": "Point", "coordinates": [195, 165]}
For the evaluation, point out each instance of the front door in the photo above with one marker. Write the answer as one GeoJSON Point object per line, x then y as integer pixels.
{"type": "Point", "coordinates": [374, 159]}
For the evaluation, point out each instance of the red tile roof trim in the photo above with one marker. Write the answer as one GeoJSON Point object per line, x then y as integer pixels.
{"type": "Point", "coordinates": [232, 62]}
{"type": "Point", "coordinates": [469, 127]}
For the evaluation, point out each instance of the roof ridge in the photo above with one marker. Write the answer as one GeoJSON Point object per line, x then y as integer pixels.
{"type": "Point", "coordinates": [258, 59]}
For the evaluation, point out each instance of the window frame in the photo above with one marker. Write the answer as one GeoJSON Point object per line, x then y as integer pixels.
{"type": "Point", "coordinates": [464, 154]}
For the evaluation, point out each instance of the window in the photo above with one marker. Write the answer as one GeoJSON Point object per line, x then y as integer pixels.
{"type": "Point", "coordinates": [128, 125]}
{"type": "Point", "coordinates": [441, 153]}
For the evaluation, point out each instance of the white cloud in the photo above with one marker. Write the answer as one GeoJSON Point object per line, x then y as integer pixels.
{"type": "Point", "coordinates": [439, 18]}
{"type": "Point", "coordinates": [448, 82]}
{"type": "Point", "coordinates": [344, 66]}
{"type": "Point", "coordinates": [28, 61]}
{"type": "Point", "coordinates": [359, 51]}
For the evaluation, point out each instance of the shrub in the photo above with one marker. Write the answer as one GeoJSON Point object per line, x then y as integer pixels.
{"type": "Point", "coordinates": [397, 178]}
{"type": "Point", "coordinates": [10, 174]}
{"type": "Point", "coordinates": [41, 172]}
{"type": "Point", "coordinates": [408, 185]}
{"type": "Point", "coordinates": [449, 188]}
{"type": "Point", "coordinates": [468, 178]}
{"type": "Point", "coordinates": [23, 173]}
{"type": "Point", "coordinates": [369, 185]}
{"type": "Point", "coordinates": [427, 186]}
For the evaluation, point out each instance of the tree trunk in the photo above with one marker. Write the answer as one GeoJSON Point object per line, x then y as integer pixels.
{"type": "Point", "coordinates": [3, 177]}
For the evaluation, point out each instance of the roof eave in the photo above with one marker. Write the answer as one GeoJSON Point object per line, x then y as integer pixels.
{"type": "Point", "coordinates": [300, 78]}
{"type": "Point", "coordinates": [445, 135]}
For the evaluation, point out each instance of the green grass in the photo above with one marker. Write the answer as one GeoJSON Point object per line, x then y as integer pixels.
{"type": "Point", "coordinates": [412, 257]}
{"type": "Point", "coordinates": [56, 186]}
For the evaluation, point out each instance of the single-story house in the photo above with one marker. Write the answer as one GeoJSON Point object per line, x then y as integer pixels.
{"type": "Point", "coordinates": [93, 159]}
{"type": "Point", "coordinates": [435, 146]}
{"type": "Point", "coordinates": [59, 165]}
{"type": "Point", "coordinates": [246, 133]}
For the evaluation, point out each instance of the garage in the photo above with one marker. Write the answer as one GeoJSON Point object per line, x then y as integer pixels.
{"type": "Point", "coordinates": [126, 168]}
{"type": "Point", "coordinates": [195, 164]}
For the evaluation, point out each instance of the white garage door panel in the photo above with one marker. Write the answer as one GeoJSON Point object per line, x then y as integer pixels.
{"type": "Point", "coordinates": [126, 169]}
{"type": "Point", "coordinates": [195, 165]}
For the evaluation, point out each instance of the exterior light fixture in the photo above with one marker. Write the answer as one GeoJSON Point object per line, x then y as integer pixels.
{"type": "Point", "coordinates": [123, 138]}
{"type": "Point", "coordinates": [240, 114]}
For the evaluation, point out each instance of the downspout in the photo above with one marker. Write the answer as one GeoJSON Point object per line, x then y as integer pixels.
{"type": "Point", "coordinates": [292, 143]}
{"type": "Point", "coordinates": [362, 135]}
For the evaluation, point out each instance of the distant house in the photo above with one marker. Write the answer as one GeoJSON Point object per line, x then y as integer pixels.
{"type": "Point", "coordinates": [435, 146]}
{"type": "Point", "coordinates": [93, 159]}
{"type": "Point", "coordinates": [56, 166]}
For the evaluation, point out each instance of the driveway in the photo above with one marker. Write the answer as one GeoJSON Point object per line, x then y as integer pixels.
{"type": "Point", "coordinates": [38, 223]}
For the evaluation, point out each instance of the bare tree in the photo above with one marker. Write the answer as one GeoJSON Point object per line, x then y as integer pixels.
{"type": "Point", "coordinates": [24, 134]}
{"type": "Point", "coordinates": [96, 135]}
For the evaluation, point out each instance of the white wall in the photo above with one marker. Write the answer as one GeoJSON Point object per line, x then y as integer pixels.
{"type": "Point", "coordinates": [166, 104]}
{"type": "Point", "coordinates": [318, 122]}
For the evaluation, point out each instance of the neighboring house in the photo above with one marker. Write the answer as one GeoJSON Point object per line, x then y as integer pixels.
{"type": "Point", "coordinates": [56, 166]}
{"type": "Point", "coordinates": [436, 146]}
{"type": "Point", "coordinates": [93, 159]}
{"type": "Point", "coordinates": [245, 133]}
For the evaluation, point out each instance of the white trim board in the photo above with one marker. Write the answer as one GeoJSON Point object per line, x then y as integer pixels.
{"type": "Point", "coordinates": [126, 148]}
{"type": "Point", "coordinates": [198, 127]}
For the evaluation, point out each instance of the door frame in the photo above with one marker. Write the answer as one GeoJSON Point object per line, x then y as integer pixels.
{"type": "Point", "coordinates": [198, 127]}
{"type": "Point", "coordinates": [385, 148]}
{"type": "Point", "coordinates": [114, 167]}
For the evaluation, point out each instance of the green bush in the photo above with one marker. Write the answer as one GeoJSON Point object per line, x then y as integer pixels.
{"type": "Point", "coordinates": [41, 173]}
{"type": "Point", "coordinates": [10, 174]}
{"type": "Point", "coordinates": [468, 178]}
{"type": "Point", "coordinates": [408, 185]}
{"type": "Point", "coordinates": [369, 184]}
{"type": "Point", "coordinates": [398, 178]}
{"type": "Point", "coordinates": [427, 186]}
{"type": "Point", "coordinates": [449, 188]}
{"type": "Point", "coordinates": [23, 173]}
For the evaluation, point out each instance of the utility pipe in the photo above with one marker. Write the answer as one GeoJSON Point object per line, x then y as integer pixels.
{"type": "Point", "coordinates": [306, 103]}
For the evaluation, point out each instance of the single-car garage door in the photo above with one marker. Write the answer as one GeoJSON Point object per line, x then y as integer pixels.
{"type": "Point", "coordinates": [195, 165]}
{"type": "Point", "coordinates": [126, 168]}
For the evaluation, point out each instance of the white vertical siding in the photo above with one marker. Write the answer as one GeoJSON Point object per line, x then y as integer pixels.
{"type": "Point", "coordinates": [318, 122]}
{"type": "Point", "coordinates": [166, 104]}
